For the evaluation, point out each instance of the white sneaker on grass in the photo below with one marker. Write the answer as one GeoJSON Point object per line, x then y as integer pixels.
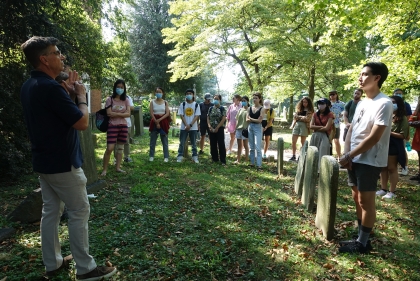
{"type": "Point", "coordinates": [381, 192]}
{"type": "Point", "coordinates": [404, 171]}
{"type": "Point", "coordinates": [179, 159]}
{"type": "Point", "coordinates": [195, 159]}
{"type": "Point", "coordinates": [389, 195]}
{"type": "Point", "coordinates": [151, 159]}
{"type": "Point", "coordinates": [166, 160]}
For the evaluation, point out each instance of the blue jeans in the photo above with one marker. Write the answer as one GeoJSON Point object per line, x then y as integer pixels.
{"type": "Point", "coordinates": [183, 137]}
{"type": "Point", "coordinates": [164, 138]}
{"type": "Point", "coordinates": [254, 139]}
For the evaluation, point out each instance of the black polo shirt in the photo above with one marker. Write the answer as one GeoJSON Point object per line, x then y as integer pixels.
{"type": "Point", "coordinates": [50, 114]}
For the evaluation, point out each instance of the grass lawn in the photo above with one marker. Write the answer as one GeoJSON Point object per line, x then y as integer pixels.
{"type": "Point", "coordinates": [186, 221]}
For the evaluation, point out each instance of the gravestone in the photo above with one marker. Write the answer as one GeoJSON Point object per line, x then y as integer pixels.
{"type": "Point", "coordinates": [280, 155]}
{"type": "Point", "coordinates": [300, 170]}
{"type": "Point", "coordinates": [310, 178]}
{"type": "Point", "coordinates": [6, 233]}
{"type": "Point", "coordinates": [29, 210]}
{"type": "Point", "coordinates": [327, 196]}
{"type": "Point", "coordinates": [138, 121]}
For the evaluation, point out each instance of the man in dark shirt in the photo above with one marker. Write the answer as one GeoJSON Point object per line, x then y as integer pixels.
{"type": "Point", "coordinates": [204, 108]}
{"type": "Point", "coordinates": [52, 119]}
{"type": "Point", "coordinates": [349, 110]}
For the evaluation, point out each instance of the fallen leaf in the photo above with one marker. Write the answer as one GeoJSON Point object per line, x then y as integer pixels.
{"type": "Point", "coordinates": [352, 270]}
{"type": "Point", "coordinates": [328, 266]}
{"type": "Point", "coordinates": [108, 263]}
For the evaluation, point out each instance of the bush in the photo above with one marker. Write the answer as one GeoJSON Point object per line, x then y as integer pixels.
{"type": "Point", "coordinates": [15, 154]}
{"type": "Point", "coordinates": [146, 112]}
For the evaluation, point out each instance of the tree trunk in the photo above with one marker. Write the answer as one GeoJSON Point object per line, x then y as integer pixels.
{"type": "Point", "coordinates": [291, 109]}
{"type": "Point", "coordinates": [311, 89]}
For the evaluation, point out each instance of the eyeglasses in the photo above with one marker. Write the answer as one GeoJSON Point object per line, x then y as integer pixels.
{"type": "Point", "coordinates": [57, 53]}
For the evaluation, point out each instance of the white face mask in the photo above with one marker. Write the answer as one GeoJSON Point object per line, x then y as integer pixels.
{"type": "Point", "coordinates": [321, 106]}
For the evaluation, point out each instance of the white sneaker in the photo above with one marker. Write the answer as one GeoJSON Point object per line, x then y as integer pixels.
{"type": "Point", "coordinates": [151, 159]}
{"type": "Point", "coordinates": [228, 152]}
{"type": "Point", "coordinates": [404, 171]}
{"type": "Point", "coordinates": [381, 192]}
{"type": "Point", "coordinates": [166, 160]}
{"type": "Point", "coordinates": [389, 195]}
{"type": "Point", "coordinates": [179, 159]}
{"type": "Point", "coordinates": [195, 159]}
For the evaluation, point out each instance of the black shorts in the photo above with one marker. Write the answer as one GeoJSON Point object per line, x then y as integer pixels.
{"type": "Point", "coordinates": [337, 133]}
{"type": "Point", "coordinates": [364, 176]}
{"type": "Point", "coordinates": [204, 128]}
{"type": "Point", "coordinates": [269, 130]}
{"type": "Point", "coordinates": [392, 149]}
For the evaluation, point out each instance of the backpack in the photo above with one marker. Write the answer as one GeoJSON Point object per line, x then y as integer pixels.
{"type": "Point", "coordinates": [183, 107]}
{"type": "Point", "coordinates": [102, 119]}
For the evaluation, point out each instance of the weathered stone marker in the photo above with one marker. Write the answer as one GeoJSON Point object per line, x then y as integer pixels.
{"type": "Point", "coordinates": [310, 178]}
{"type": "Point", "coordinates": [327, 196]}
{"type": "Point", "coordinates": [301, 170]}
{"type": "Point", "coordinates": [138, 121]}
{"type": "Point", "coordinates": [280, 155]}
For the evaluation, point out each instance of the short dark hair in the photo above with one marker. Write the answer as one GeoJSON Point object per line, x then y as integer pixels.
{"type": "Point", "coordinates": [114, 93]}
{"type": "Point", "coordinates": [189, 91]}
{"type": "Point", "coordinates": [398, 89]}
{"type": "Point", "coordinates": [378, 68]}
{"type": "Point", "coordinates": [35, 47]}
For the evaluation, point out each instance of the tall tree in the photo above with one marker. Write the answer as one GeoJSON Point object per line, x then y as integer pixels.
{"type": "Point", "coordinates": [75, 24]}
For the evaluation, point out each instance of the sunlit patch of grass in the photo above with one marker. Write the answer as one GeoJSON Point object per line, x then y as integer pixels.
{"type": "Point", "coordinates": [182, 221]}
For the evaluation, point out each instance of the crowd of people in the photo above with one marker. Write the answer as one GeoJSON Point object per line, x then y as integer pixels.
{"type": "Point", "coordinates": [372, 125]}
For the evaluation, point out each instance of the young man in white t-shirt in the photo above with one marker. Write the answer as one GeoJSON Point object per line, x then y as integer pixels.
{"type": "Point", "coordinates": [189, 111]}
{"type": "Point", "coordinates": [365, 150]}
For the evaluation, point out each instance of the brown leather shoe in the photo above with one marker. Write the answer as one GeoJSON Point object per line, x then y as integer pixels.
{"type": "Point", "coordinates": [64, 265]}
{"type": "Point", "coordinates": [99, 273]}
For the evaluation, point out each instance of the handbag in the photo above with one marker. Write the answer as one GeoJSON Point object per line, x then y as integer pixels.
{"type": "Point", "coordinates": [332, 133]}
{"type": "Point", "coordinates": [102, 119]}
{"type": "Point", "coordinates": [245, 133]}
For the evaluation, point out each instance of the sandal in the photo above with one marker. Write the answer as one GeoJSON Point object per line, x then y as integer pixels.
{"type": "Point", "coordinates": [121, 171]}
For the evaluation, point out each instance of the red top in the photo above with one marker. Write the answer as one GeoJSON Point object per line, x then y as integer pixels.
{"type": "Point", "coordinates": [324, 120]}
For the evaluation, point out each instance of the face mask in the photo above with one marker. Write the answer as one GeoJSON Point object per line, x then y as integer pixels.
{"type": "Point", "coordinates": [189, 97]}
{"type": "Point", "coordinates": [321, 106]}
{"type": "Point", "coordinates": [395, 106]}
{"type": "Point", "coordinates": [244, 103]}
{"type": "Point", "coordinates": [119, 91]}
{"type": "Point", "coordinates": [398, 95]}
{"type": "Point", "coordinates": [158, 95]}
{"type": "Point", "coordinates": [216, 102]}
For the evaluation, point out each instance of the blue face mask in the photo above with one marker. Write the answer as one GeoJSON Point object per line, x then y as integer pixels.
{"type": "Point", "coordinates": [395, 106]}
{"type": "Point", "coordinates": [189, 97]}
{"type": "Point", "coordinates": [244, 103]}
{"type": "Point", "coordinates": [158, 95]}
{"type": "Point", "coordinates": [398, 95]}
{"type": "Point", "coordinates": [216, 102]}
{"type": "Point", "coordinates": [119, 91]}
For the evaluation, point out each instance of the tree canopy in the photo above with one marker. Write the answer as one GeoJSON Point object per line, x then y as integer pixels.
{"type": "Point", "coordinates": [312, 46]}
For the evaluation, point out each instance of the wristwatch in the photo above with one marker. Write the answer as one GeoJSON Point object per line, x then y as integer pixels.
{"type": "Point", "coordinates": [190, 125]}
